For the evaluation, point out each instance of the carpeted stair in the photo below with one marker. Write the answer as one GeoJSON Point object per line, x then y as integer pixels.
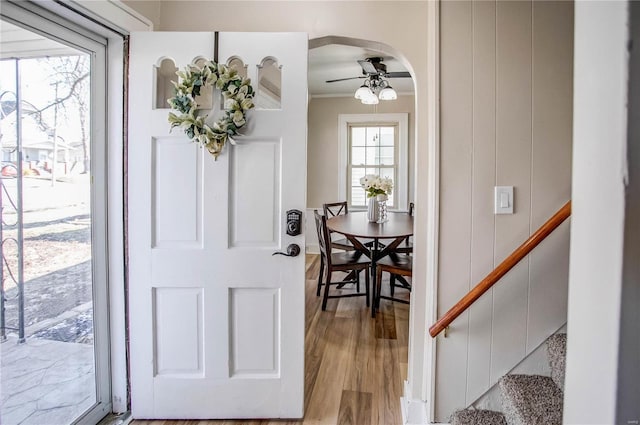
{"type": "Point", "coordinates": [557, 354]}
{"type": "Point", "coordinates": [526, 399]}
{"type": "Point", "coordinates": [478, 417]}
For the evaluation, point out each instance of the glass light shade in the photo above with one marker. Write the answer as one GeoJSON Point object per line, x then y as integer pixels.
{"type": "Point", "coordinates": [370, 100]}
{"type": "Point", "coordinates": [388, 93]}
{"type": "Point", "coordinates": [363, 92]}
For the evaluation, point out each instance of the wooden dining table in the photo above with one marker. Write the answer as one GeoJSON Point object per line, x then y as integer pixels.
{"type": "Point", "coordinates": [356, 227]}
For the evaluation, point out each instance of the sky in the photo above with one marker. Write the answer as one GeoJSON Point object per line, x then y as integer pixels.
{"type": "Point", "coordinates": [38, 89]}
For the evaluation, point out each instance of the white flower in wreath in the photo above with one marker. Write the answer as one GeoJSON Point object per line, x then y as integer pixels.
{"type": "Point", "coordinates": [238, 95]}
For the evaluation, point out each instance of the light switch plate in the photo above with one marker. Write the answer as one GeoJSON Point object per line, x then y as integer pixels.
{"type": "Point", "coordinates": [503, 200]}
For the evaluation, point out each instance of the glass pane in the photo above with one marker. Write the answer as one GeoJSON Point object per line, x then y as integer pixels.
{"type": "Point", "coordinates": [165, 74]}
{"type": "Point", "coordinates": [373, 136]}
{"type": "Point", "coordinates": [205, 99]}
{"type": "Point", "coordinates": [238, 65]}
{"type": "Point", "coordinates": [370, 170]}
{"type": "Point", "coordinates": [388, 172]}
{"type": "Point", "coordinates": [358, 136]}
{"type": "Point", "coordinates": [269, 85]}
{"type": "Point", "coordinates": [372, 155]}
{"type": "Point", "coordinates": [358, 196]}
{"type": "Point", "coordinates": [48, 373]}
{"type": "Point", "coordinates": [358, 156]}
{"type": "Point", "coordinates": [387, 136]}
{"type": "Point", "coordinates": [386, 156]}
{"type": "Point", "coordinates": [356, 175]}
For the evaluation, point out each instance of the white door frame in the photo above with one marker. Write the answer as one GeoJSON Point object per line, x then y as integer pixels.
{"type": "Point", "coordinates": [419, 391]}
{"type": "Point", "coordinates": [76, 31]}
{"type": "Point", "coordinates": [113, 20]}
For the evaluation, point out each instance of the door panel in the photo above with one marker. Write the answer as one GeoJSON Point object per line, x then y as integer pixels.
{"type": "Point", "coordinates": [247, 229]}
{"type": "Point", "coordinates": [217, 322]}
{"type": "Point", "coordinates": [176, 215]}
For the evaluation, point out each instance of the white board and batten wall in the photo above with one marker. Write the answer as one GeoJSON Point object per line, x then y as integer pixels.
{"type": "Point", "coordinates": [506, 114]}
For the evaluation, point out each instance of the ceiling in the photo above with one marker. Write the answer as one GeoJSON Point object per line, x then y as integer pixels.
{"type": "Point", "coordinates": [16, 42]}
{"type": "Point", "coordinates": [327, 62]}
{"type": "Point", "coordinates": [339, 61]}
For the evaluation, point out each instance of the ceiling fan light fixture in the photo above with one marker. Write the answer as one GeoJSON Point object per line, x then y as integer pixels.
{"type": "Point", "coordinates": [370, 100]}
{"type": "Point", "coordinates": [363, 92]}
{"type": "Point", "coordinates": [388, 93]}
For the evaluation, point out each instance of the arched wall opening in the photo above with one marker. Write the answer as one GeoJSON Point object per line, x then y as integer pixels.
{"type": "Point", "coordinates": [417, 325]}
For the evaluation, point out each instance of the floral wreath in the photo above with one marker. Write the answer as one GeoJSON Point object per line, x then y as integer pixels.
{"type": "Point", "coordinates": [238, 95]}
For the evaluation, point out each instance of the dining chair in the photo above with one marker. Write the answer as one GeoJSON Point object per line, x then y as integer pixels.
{"type": "Point", "coordinates": [332, 210]}
{"type": "Point", "coordinates": [407, 245]}
{"type": "Point", "coordinates": [398, 266]}
{"type": "Point", "coordinates": [347, 261]}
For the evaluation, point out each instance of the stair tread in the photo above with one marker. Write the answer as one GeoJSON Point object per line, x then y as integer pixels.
{"type": "Point", "coordinates": [557, 354]}
{"type": "Point", "coordinates": [531, 400]}
{"type": "Point", "coordinates": [477, 417]}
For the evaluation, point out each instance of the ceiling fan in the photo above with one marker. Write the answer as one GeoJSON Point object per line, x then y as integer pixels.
{"type": "Point", "coordinates": [374, 68]}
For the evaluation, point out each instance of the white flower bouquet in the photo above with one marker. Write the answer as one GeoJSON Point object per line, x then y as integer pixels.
{"type": "Point", "coordinates": [377, 186]}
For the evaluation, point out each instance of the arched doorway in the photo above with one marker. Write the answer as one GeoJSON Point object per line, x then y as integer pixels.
{"type": "Point", "coordinates": [326, 183]}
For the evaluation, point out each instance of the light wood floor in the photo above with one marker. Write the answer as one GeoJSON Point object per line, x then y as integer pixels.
{"type": "Point", "coordinates": [354, 365]}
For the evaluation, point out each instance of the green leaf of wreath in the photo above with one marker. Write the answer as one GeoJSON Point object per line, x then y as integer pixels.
{"type": "Point", "coordinates": [238, 95]}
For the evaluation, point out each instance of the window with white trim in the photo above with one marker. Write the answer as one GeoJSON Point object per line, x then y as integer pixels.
{"type": "Point", "coordinates": [373, 144]}
{"type": "Point", "coordinates": [372, 150]}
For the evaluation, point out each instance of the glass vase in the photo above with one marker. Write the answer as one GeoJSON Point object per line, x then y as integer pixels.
{"type": "Point", "coordinates": [373, 209]}
{"type": "Point", "coordinates": [382, 208]}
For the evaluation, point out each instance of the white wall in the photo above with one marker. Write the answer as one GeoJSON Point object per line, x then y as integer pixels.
{"type": "Point", "coordinates": [148, 8]}
{"type": "Point", "coordinates": [506, 113]}
{"type": "Point", "coordinates": [598, 212]}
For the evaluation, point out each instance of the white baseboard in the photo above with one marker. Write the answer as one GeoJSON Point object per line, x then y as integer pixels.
{"type": "Point", "coordinates": [414, 412]}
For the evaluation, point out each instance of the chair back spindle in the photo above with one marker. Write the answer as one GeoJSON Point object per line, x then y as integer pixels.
{"type": "Point", "coordinates": [323, 236]}
{"type": "Point", "coordinates": [335, 208]}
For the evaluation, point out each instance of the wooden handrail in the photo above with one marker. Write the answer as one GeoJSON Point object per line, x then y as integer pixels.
{"type": "Point", "coordinates": [502, 269]}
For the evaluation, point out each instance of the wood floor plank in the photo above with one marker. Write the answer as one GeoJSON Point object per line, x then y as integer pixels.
{"type": "Point", "coordinates": [315, 342]}
{"type": "Point", "coordinates": [388, 389]}
{"type": "Point", "coordinates": [401, 313]}
{"type": "Point", "coordinates": [386, 321]}
{"type": "Point", "coordinates": [350, 307]}
{"type": "Point", "coordinates": [344, 359]}
{"type": "Point", "coordinates": [327, 391]}
{"type": "Point", "coordinates": [361, 368]}
{"type": "Point", "coordinates": [355, 408]}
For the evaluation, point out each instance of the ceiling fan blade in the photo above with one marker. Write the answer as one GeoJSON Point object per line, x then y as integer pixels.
{"type": "Point", "coordinates": [343, 79]}
{"type": "Point", "coordinates": [367, 66]}
{"type": "Point", "coordinates": [403, 74]}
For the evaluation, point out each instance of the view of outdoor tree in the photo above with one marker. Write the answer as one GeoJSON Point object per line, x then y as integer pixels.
{"type": "Point", "coordinates": [57, 105]}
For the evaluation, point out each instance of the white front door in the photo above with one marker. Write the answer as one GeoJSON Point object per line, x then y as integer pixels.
{"type": "Point", "coordinates": [216, 321]}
